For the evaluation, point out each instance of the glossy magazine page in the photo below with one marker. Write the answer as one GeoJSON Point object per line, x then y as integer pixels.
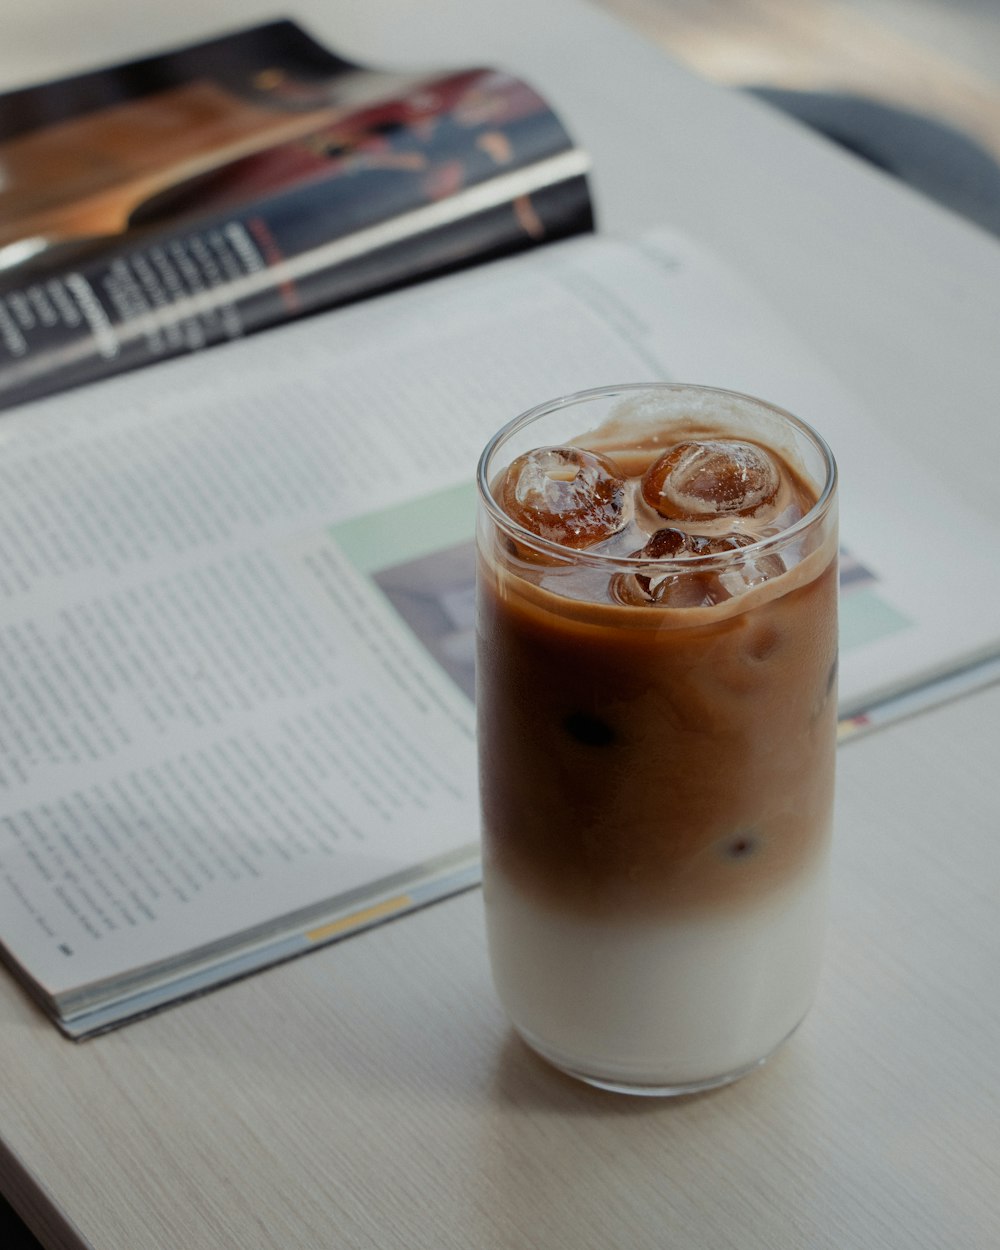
{"type": "Point", "coordinates": [159, 207]}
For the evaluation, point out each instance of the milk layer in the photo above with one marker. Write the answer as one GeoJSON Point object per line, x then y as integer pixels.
{"type": "Point", "coordinates": [657, 1004]}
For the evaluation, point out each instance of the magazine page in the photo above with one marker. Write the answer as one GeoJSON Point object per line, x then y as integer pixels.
{"type": "Point", "coordinates": [913, 609]}
{"type": "Point", "coordinates": [236, 609]}
{"type": "Point", "coordinates": [230, 599]}
{"type": "Point", "coordinates": [156, 208]}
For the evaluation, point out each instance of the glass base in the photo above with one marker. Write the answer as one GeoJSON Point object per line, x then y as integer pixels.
{"type": "Point", "coordinates": [641, 1089]}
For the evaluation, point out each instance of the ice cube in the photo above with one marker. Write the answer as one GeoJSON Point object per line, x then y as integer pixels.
{"type": "Point", "coordinates": [566, 495]}
{"type": "Point", "coordinates": [666, 543]}
{"type": "Point", "coordinates": [696, 480]}
{"type": "Point", "coordinates": [699, 587]}
{"type": "Point", "coordinates": [751, 572]}
{"type": "Point", "coordinates": [670, 588]}
{"type": "Point", "coordinates": [674, 543]}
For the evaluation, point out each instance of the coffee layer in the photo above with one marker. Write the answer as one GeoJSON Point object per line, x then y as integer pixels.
{"type": "Point", "coordinates": [637, 759]}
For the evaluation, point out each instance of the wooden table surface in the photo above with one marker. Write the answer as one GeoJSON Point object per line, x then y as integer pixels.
{"type": "Point", "coordinates": [371, 1095]}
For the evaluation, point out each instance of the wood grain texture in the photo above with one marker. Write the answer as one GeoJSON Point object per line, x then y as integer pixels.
{"type": "Point", "coordinates": [371, 1096]}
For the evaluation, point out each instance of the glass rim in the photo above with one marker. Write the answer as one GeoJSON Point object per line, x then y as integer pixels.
{"type": "Point", "coordinates": [596, 559]}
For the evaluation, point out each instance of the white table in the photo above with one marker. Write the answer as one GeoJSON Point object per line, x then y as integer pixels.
{"type": "Point", "coordinates": [371, 1095]}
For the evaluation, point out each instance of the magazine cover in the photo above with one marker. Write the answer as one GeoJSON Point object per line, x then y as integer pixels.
{"type": "Point", "coordinates": [164, 205]}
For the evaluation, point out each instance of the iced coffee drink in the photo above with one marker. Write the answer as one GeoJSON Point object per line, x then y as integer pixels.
{"type": "Point", "coordinates": [656, 697]}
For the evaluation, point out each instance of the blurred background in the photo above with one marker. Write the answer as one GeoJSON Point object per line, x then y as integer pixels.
{"type": "Point", "coordinates": [912, 86]}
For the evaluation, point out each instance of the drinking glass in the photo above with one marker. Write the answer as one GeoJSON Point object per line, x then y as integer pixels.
{"type": "Point", "coordinates": [656, 701]}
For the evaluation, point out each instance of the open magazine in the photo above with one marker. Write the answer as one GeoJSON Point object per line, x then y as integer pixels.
{"type": "Point", "coordinates": [236, 607]}
{"type": "Point", "coordinates": [158, 207]}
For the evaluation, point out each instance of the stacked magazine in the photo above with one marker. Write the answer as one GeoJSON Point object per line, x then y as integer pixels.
{"type": "Point", "coordinates": [236, 587]}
